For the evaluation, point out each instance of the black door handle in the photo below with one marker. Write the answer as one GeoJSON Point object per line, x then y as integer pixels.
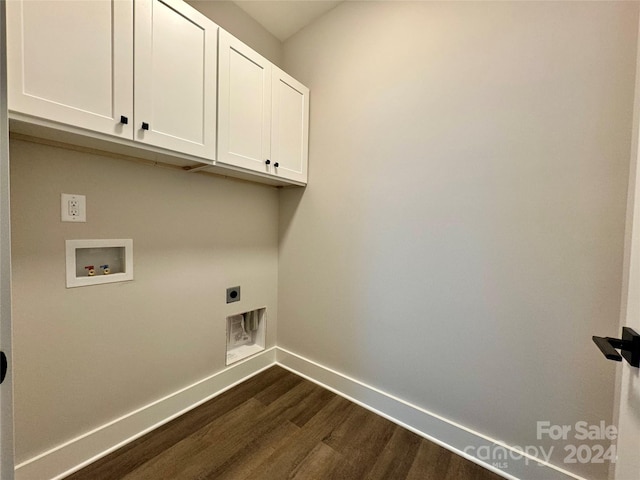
{"type": "Point", "coordinates": [629, 346]}
{"type": "Point", "coordinates": [3, 366]}
{"type": "Point", "coordinates": [124, 120]}
{"type": "Point", "coordinates": [145, 126]}
{"type": "Point", "coordinates": [606, 347]}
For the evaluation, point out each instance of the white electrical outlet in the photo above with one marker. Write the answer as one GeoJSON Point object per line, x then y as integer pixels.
{"type": "Point", "coordinates": [73, 208]}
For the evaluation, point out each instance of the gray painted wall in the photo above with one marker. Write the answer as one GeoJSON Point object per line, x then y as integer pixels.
{"type": "Point", "coordinates": [88, 355]}
{"type": "Point", "coordinates": [85, 356]}
{"type": "Point", "coordinates": [461, 237]}
{"type": "Point", "coordinates": [239, 24]}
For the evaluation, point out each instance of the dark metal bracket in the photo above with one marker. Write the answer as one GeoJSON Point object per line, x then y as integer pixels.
{"type": "Point", "coordinates": [629, 346]}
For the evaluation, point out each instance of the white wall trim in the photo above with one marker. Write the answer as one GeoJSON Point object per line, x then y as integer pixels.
{"type": "Point", "coordinates": [75, 454]}
{"type": "Point", "coordinates": [444, 432]}
{"type": "Point", "coordinates": [79, 452]}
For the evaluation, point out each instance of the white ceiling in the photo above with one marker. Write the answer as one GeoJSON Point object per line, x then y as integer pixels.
{"type": "Point", "coordinates": [283, 18]}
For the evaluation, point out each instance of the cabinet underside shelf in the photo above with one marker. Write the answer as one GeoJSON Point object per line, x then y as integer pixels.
{"type": "Point", "coordinates": [46, 133]}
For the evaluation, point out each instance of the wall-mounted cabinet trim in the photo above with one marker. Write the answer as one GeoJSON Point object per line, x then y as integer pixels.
{"type": "Point", "coordinates": [25, 127]}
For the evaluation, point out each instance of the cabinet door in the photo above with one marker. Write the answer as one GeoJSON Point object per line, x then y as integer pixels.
{"type": "Point", "coordinates": [175, 77]}
{"type": "Point", "coordinates": [72, 62]}
{"type": "Point", "coordinates": [244, 114]}
{"type": "Point", "coordinates": [289, 127]}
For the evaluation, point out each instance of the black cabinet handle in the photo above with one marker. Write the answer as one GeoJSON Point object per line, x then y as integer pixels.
{"type": "Point", "coordinates": [145, 126]}
{"type": "Point", "coordinates": [124, 120]}
{"type": "Point", "coordinates": [276, 164]}
{"type": "Point", "coordinates": [267, 161]}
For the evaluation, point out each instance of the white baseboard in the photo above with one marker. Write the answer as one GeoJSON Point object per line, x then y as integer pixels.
{"type": "Point", "coordinates": [75, 454]}
{"type": "Point", "coordinates": [448, 434]}
{"type": "Point", "coordinates": [89, 447]}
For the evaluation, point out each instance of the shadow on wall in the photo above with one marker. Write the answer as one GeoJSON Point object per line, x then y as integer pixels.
{"type": "Point", "coordinates": [289, 199]}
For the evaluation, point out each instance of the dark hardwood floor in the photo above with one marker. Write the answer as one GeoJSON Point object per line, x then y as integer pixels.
{"type": "Point", "coordinates": [278, 426]}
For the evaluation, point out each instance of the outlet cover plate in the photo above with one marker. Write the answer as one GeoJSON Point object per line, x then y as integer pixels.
{"type": "Point", "coordinates": [73, 208]}
{"type": "Point", "coordinates": [233, 294]}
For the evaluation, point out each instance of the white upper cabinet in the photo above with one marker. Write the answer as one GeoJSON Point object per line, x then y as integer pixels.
{"type": "Point", "coordinates": [155, 79]}
{"type": "Point", "coordinates": [72, 62]}
{"type": "Point", "coordinates": [175, 77]}
{"type": "Point", "coordinates": [244, 115]}
{"type": "Point", "coordinates": [263, 116]}
{"type": "Point", "coordinates": [290, 127]}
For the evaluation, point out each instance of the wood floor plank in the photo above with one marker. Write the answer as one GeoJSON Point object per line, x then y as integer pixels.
{"type": "Point", "coordinates": [360, 439]}
{"type": "Point", "coordinates": [277, 389]}
{"type": "Point", "coordinates": [396, 459]}
{"type": "Point", "coordinates": [285, 461]}
{"type": "Point", "coordinates": [139, 451]}
{"type": "Point", "coordinates": [314, 466]}
{"type": "Point", "coordinates": [236, 434]}
{"type": "Point", "coordinates": [318, 398]}
{"type": "Point", "coordinates": [462, 468]}
{"type": "Point", "coordinates": [278, 426]}
{"type": "Point", "coordinates": [260, 431]}
{"type": "Point", "coordinates": [431, 462]}
{"type": "Point", "coordinates": [213, 459]}
{"type": "Point", "coordinates": [243, 464]}
{"type": "Point", "coordinates": [292, 403]}
{"type": "Point", "coordinates": [194, 450]}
